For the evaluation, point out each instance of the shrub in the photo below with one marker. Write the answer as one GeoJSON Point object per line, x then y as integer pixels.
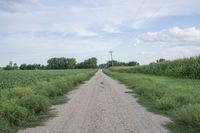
{"type": "Point", "coordinates": [5, 127]}
{"type": "Point", "coordinates": [48, 89]}
{"type": "Point", "coordinates": [13, 113]}
{"type": "Point", "coordinates": [15, 93]}
{"type": "Point", "coordinates": [26, 94]}
{"type": "Point", "coordinates": [35, 103]}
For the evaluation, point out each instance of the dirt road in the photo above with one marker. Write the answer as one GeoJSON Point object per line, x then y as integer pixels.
{"type": "Point", "coordinates": [101, 105]}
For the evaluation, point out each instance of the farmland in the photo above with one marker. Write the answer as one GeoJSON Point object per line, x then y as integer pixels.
{"type": "Point", "coordinates": [27, 95]}
{"type": "Point", "coordinates": [182, 68]}
{"type": "Point", "coordinates": [177, 98]}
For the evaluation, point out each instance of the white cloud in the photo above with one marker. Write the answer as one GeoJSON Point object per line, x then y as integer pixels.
{"type": "Point", "coordinates": [106, 14]}
{"type": "Point", "coordinates": [137, 25]}
{"type": "Point", "coordinates": [110, 29]}
{"type": "Point", "coordinates": [171, 37]}
{"type": "Point", "coordinates": [86, 33]}
{"type": "Point", "coordinates": [17, 5]}
{"type": "Point", "coordinates": [45, 45]}
{"type": "Point", "coordinates": [73, 22]}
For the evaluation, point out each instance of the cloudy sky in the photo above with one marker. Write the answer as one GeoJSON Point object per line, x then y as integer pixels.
{"type": "Point", "coordinates": [31, 31]}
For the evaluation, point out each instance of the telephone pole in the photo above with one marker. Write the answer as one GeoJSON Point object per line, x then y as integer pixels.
{"type": "Point", "coordinates": [111, 52]}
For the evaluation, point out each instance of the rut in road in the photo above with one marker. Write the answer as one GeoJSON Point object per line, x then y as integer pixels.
{"type": "Point", "coordinates": [101, 105]}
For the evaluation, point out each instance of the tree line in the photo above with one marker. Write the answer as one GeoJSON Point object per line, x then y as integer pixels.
{"type": "Point", "coordinates": [71, 63]}
{"type": "Point", "coordinates": [119, 63]}
{"type": "Point", "coordinates": [56, 63]}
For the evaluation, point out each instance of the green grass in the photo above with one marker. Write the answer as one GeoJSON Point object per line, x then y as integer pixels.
{"type": "Point", "coordinates": [182, 68]}
{"type": "Point", "coordinates": [176, 98]}
{"type": "Point", "coordinates": [25, 96]}
{"type": "Point", "coordinates": [23, 78]}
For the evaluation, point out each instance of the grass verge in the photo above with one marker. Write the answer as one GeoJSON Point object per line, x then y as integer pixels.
{"type": "Point", "coordinates": [176, 98]}
{"type": "Point", "coordinates": [22, 107]}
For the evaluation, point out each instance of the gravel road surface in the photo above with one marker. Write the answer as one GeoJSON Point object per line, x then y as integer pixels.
{"type": "Point", "coordinates": [101, 105]}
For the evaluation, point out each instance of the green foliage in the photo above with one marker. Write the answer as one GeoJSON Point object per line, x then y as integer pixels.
{"type": "Point", "coordinates": [177, 98]}
{"type": "Point", "coordinates": [11, 79]}
{"type": "Point", "coordinates": [61, 63]}
{"type": "Point", "coordinates": [166, 103]}
{"type": "Point", "coordinates": [13, 113]}
{"type": "Point", "coordinates": [5, 127]}
{"type": "Point", "coordinates": [36, 104]}
{"type": "Point", "coordinates": [89, 63]}
{"type": "Point", "coordinates": [133, 63]}
{"type": "Point", "coordinates": [11, 66]}
{"type": "Point", "coordinates": [31, 66]}
{"type": "Point", "coordinates": [183, 68]}
{"type": "Point", "coordinates": [55, 63]}
{"type": "Point", "coordinates": [15, 93]}
{"type": "Point", "coordinates": [118, 63]}
{"type": "Point", "coordinates": [189, 116]}
{"type": "Point", "coordinates": [32, 92]}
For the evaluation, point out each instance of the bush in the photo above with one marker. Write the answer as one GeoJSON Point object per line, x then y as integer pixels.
{"type": "Point", "coordinates": [13, 113]}
{"type": "Point", "coordinates": [34, 103]}
{"type": "Point", "coordinates": [50, 89]}
{"type": "Point", "coordinates": [25, 95]}
{"type": "Point", "coordinates": [15, 93]}
{"type": "Point", "coordinates": [5, 127]}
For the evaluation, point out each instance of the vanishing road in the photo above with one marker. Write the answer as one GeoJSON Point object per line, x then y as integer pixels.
{"type": "Point", "coordinates": [101, 105]}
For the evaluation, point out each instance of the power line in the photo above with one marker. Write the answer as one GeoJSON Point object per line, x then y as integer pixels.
{"type": "Point", "coordinates": [155, 12]}
{"type": "Point", "coordinates": [139, 9]}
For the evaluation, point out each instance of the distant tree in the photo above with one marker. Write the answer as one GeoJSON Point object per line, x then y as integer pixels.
{"type": "Point", "coordinates": [115, 63]}
{"type": "Point", "coordinates": [80, 65]}
{"type": "Point", "coordinates": [31, 66]}
{"type": "Point", "coordinates": [10, 63]}
{"type": "Point", "coordinates": [118, 63]}
{"type": "Point", "coordinates": [133, 63]}
{"type": "Point", "coordinates": [70, 63]}
{"type": "Point", "coordinates": [103, 66]}
{"type": "Point", "coordinates": [22, 67]}
{"type": "Point", "coordinates": [15, 66]}
{"type": "Point", "coordinates": [8, 67]}
{"type": "Point", "coordinates": [61, 63]}
{"type": "Point", "coordinates": [160, 60]}
{"type": "Point", "coordinates": [152, 63]}
{"type": "Point", "coordinates": [43, 67]}
{"type": "Point", "coordinates": [56, 63]}
{"type": "Point", "coordinates": [89, 63]}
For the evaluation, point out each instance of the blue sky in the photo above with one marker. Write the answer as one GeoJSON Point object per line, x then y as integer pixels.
{"type": "Point", "coordinates": [31, 31]}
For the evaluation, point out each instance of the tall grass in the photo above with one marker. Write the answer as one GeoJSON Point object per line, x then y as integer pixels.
{"type": "Point", "coordinates": [31, 93]}
{"type": "Point", "coordinates": [183, 68]}
{"type": "Point", "coordinates": [175, 97]}
{"type": "Point", "coordinates": [11, 79]}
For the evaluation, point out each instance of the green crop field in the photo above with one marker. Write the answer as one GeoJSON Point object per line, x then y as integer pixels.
{"type": "Point", "coordinates": [25, 96]}
{"type": "Point", "coordinates": [183, 68]}
{"type": "Point", "coordinates": [175, 97]}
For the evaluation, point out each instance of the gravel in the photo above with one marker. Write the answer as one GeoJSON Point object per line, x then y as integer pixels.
{"type": "Point", "coordinates": [101, 105]}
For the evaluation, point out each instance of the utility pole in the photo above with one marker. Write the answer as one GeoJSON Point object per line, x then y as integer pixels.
{"type": "Point", "coordinates": [111, 52]}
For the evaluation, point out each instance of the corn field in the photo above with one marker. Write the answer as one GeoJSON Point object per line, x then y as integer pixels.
{"type": "Point", "coordinates": [183, 68]}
